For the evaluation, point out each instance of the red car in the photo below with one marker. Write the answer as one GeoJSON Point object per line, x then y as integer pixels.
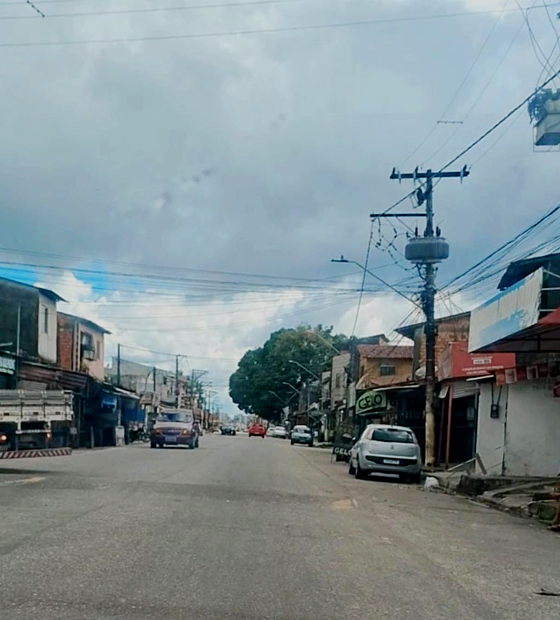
{"type": "Point", "coordinates": [257, 429]}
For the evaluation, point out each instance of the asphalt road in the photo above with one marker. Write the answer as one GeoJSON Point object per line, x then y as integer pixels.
{"type": "Point", "coordinates": [253, 529]}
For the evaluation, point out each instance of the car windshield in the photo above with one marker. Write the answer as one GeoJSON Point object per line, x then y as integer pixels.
{"type": "Point", "coordinates": [301, 429]}
{"type": "Point", "coordinates": [174, 417]}
{"type": "Point", "coordinates": [392, 435]}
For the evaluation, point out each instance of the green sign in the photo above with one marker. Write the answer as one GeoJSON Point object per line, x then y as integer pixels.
{"type": "Point", "coordinates": [371, 401]}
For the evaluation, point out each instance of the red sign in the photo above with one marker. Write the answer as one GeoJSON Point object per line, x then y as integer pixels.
{"type": "Point", "coordinates": [457, 362]}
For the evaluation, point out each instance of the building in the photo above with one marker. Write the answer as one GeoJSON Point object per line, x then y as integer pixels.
{"type": "Point", "coordinates": [81, 345]}
{"type": "Point", "coordinates": [383, 365]}
{"type": "Point", "coordinates": [143, 380]}
{"type": "Point", "coordinates": [518, 432]}
{"type": "Point", "coordinates": [451, 328]}
{"type": "Point", "coordinates": [28, 320]}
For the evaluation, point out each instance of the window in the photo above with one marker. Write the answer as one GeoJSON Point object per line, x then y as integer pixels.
{"type": "Point", "coordinates": [386, 370]}
{"type": "Point", "coordinates": [45, 320]}
{"type": "Point", "coordinates": [393, 435]}
{"type": "Point", "coordinates": [337, 381]}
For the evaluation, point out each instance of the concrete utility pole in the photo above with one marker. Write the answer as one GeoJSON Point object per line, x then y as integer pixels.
{"type": "Point", "coordinates": [426, 251]}
{"type": "Point", "coordinates": [178, 397]}
{"type": "Point", "coordinates": [118, 364]}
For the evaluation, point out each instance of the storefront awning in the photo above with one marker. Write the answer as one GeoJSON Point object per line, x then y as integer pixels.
{"type": "Point", "coordinates": [396, 387]}
{"type": "Point", "coordinates": [543, 336]}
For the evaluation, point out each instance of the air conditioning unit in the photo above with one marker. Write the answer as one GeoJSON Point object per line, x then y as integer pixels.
{"type": "Point", "coordinates": [88, 354]}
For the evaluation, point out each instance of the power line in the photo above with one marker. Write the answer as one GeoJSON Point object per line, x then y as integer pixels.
{"type": "Point", "coordinates": [462, 83]}
{"type": "Point", "coordinates": [363, 280]}
{"type": "Point", "coordinates": [230, 33]}
{"type": "Point", "coordinates": [156, 9]}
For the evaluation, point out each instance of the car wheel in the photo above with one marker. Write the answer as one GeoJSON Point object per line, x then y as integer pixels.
{"type": "Point", "coordinates": [415, 478]}
{"type": "Point", "coordinates": [291, 443]}
{"type": "Point", "coordinates": [153, 444]}
{"type": "Point", "coordinates": [359, 474]}
{"type": "Point", "coordinates": [351, 468]}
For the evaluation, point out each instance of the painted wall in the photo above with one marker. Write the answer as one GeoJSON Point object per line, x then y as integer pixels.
{"type": "Point", "coordinates": [533, 430]}
{"type": "Point", "coordinates": [529, 421]}
{"type": "Point", "coordinates": [370, 371]}
{"type": "Point", "coordinates": [491, 432]}
{"type": "Point", "coordinates": [46, 345]}
{"type": "Point", "coordinates": [339, 378]}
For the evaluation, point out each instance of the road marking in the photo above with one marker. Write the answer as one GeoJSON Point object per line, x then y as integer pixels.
{"type": "Point", "coordinates": [33, 480]}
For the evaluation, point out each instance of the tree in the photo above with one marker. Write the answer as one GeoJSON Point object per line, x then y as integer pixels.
{"type": "Point", "coordinates": [258, 385]}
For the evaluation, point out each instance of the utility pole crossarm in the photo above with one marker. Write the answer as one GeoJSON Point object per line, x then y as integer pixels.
{"type": "Point", "coordinates": [442, 174]}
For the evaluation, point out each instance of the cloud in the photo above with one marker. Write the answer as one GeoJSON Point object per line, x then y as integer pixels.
{"type": "Point", "coordinates": [261, 153]}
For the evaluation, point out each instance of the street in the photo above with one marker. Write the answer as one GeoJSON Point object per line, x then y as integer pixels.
{"type": "Point", "coordinates": [253, 528]}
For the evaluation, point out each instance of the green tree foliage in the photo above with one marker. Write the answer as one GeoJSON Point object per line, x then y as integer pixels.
{"type": "Point", "coordinates": [258, 384]}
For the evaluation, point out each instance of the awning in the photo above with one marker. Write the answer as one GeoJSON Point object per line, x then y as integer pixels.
{"type": "Point", "coordinates": [396, 387]}
{"type": "Point", "coordinates": [543, 336]}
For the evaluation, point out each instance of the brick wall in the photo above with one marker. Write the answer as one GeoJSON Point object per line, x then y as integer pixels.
{"type": "Point", "coordinates": [451, 330]}
{"type": "Point", "coordinates": [65, 343]}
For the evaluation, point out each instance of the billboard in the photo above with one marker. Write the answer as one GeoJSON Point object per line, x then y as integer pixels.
{"type": "Point", "coordinates": [508, 313]}
{"type": "Point", "coordinates": [456, 362]}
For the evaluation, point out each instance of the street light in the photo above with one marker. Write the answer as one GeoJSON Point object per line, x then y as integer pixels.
{"type": "Point", "coordinates": [312, 333]}
{"type": "Point", "coordinates": [304, 368]}
{"type": "Point", "coordinates": [292, 386]}
{"type": "Point", "coordinates": [345, 260]}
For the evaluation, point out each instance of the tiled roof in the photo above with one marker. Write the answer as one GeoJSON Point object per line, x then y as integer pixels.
{"type": "Point", "coordinates": [386, 351]}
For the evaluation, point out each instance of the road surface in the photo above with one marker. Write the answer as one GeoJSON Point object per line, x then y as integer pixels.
{"type": "Point", "coordinates": [256, 529]}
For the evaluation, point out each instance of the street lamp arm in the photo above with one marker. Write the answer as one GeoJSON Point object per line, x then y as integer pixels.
{"type": "Point", "coordinates": [304, 368]}
{"type": "Point", "coordinates": [345, 260]}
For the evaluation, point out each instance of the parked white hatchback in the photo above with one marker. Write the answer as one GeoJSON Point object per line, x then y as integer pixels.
{"type": "Point", "coordinates": [386, 449]}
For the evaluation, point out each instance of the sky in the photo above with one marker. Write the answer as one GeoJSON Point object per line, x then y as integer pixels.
{"type": "Point", "coordinates": [151, 142]}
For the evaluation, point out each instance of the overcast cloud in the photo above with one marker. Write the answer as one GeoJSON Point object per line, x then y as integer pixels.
{"type": "Point", "coordinates": [259, 153]}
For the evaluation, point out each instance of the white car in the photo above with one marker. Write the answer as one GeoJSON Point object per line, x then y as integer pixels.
{"type": "Point", "coordinates": [279, 432]}
{"type": "Point", "coordinates": [386, 449]}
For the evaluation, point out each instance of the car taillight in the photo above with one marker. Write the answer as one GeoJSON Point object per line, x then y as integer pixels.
{"type": "Point", "coordinates": [156, 431]}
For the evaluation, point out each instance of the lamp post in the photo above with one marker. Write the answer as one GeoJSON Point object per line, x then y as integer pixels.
{"type": "Point", "coordinates": [304, 368]}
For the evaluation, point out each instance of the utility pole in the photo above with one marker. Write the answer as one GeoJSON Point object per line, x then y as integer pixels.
{"type": "Point", "coordinates": [18, 335]}
{"type": "Point", "coordinates": [154, 378]}
{"type": "Point", "coordinates": [425, 251]}
{"type": "Point", "coordinates": [118, 364]}
{"type": "Point", "coordinates": [178, 398]}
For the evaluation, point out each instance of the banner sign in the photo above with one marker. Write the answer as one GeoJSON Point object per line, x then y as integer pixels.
{"type": "Point", "coordinates": [371, 401]}
{"type": "Point", "coordinates": [343, 440]}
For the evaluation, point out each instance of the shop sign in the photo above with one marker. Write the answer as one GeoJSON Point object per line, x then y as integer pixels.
{"type": "Point", "coordinates": [7, 365]}
{"type": "Point", "coordinates": [457, 362]}
{"type": "Point", "coordinates": [506, 314]}
{"type": "Point", "coordinates": [371, 401]}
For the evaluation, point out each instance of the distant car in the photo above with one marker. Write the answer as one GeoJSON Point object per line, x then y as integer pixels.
{"type": "Point", "coordinates": [279, 432]}
{"type": "Point", "coordinates": [175, 427]}
{"type": "Point", "coordinates": [228, 430]}
{"type": "Point", "coordinates": [258, 430]}
{"type": "Point", "coordinates": [388, 450]}
{"type": "Point", "coordinates": [302, 434]}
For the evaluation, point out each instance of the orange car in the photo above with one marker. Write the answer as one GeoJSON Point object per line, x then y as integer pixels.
{"type": "Point", "coordinates": [257, 429]}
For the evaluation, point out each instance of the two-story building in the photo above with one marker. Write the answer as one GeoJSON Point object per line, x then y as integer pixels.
{"type": "Point", "coordinates": [28, 320]}
{"type": "Point", "coordinates": [384, 364]}
{"type": "Point", "coordinates": [81, 345]}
